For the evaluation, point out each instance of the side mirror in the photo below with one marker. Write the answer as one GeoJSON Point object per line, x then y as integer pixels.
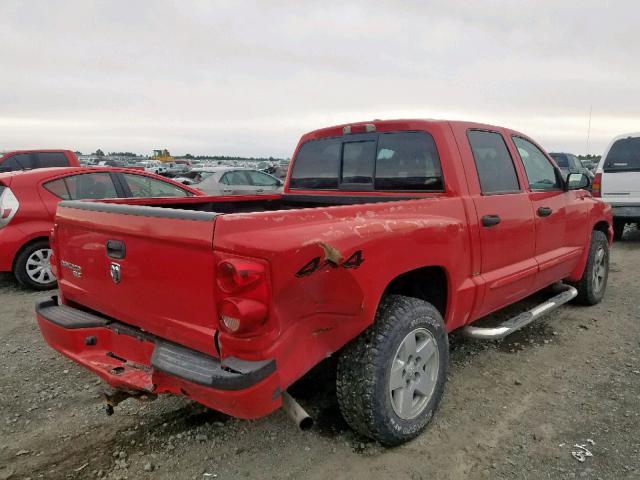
{"type": "Point", "coordinates": [577, 181]}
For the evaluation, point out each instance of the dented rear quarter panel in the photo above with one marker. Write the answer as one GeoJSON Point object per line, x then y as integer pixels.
{"type": "Point", "coordinates": [317, 302]}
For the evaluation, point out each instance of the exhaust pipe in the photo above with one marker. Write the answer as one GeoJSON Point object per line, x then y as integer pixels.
{"type": "Point", "coordinates": [296, 412]}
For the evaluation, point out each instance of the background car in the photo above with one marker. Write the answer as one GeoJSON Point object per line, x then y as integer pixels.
{"type": "Point", "coordinates": [617, 181]}
{"type": "Point", "coordinates": [28, 201]}
{"type": "Point", "coordinates": [569, 163]}
{"type": "Point", "coordinates": [30, 159]}
{"type": "Point", "coordinates": [232, 181]}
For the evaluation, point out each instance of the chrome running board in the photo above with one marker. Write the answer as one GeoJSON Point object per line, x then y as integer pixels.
{"type": "Point", "coordinates": [521, 320]}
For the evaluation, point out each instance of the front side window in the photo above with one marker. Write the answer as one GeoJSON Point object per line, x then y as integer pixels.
{"type": "Point", "coordinates": [494, 165]}
{"type": "Point", "coordinates": [540, 171]}
{"type": "Point", "coordinates": [393, 161]}
{"type": "Point", "coordinates": [142, 186]}
{"type": "Point", "coordinates": [261, 179]}
{"type": "Point", "coordinates": [52, 159]}
{"type": "Point", "coordinates": [83, 186]}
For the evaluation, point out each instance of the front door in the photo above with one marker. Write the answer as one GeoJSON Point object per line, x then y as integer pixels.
{"type": "Point", "coordinates": [507, 233]}
{"type": "Point", "coordinates": [561, 220]}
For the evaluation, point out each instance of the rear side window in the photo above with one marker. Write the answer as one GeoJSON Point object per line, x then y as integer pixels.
{"type": "Point", "coordinates": [624, 156]}
{"type": "Point", "coordinates": [59, 189]}
{"type": "Point", "coordinates": [235, 178]}
{"type": "Point", "coordinates": [395, 161]}
{"type": "Point", "coordinates": [494, 164]}
{"type": "Point", "coordinates": [83, 186]}
{"type": "Point", "coordinates": [142, 186]}
{"type": "Point", "coordinates": [52, 159]}
{"type": "Point", "coordinates": [19, 161]}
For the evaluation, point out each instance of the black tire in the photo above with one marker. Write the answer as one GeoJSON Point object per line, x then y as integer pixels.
{"type": "Point", "coordinates": [364, 370]}
{"type": "Point", "coordinates": [20, 267]}
{"type": "Point", "coordinates": [588, 291]}
{"type": "Point", "coordinates": [618, 229]}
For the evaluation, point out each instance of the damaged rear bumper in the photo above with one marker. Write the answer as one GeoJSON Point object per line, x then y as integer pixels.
{"type": "Point", "coordinates": [130, 359]}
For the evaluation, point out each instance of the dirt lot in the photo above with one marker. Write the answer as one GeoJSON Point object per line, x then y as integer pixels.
{"type": "Point", "coordinates": [513, 409]}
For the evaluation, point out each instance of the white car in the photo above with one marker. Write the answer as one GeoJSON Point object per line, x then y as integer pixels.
{"type": "Point", "coordinates": [617, 180]}
{"type": "Point", "coordinates": [232, 181]}
{"type": "Point", "coordinates": [153, 166]}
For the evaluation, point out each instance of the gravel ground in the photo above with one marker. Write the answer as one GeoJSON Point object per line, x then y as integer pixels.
{"type": "Point", "coordinates": [512, 409]}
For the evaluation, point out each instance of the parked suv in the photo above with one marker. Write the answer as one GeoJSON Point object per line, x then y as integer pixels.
{"type": "Point", "coordinates": [617, 181]}
{"type": "Point", "coordinates": [569, 163]}
{"type": "Point", "coordinates": [30, 159]}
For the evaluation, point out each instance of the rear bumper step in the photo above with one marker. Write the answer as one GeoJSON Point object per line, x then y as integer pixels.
{"type": "Point", "coordinates": [167, 357]}
{"type": "Point", "coordinates": [523, 319]}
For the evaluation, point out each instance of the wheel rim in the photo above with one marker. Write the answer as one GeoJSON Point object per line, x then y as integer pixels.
{"type": "Point", "coordinates": [414, 373]}
{"type": "Point", "coordinates": [39, 267]}
{"type": "Point", "coordinates": [599, 269]}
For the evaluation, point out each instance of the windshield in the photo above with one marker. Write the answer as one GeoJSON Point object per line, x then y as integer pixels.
{"type": "Point", "coordinates": [624, 156]}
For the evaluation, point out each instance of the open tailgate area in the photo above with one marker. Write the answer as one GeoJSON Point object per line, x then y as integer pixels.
{"type": "Point", "coordinates": [152, 268]}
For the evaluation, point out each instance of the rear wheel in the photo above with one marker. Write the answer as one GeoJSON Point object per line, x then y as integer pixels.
{"type": "Point", "coordinates": [32, 267]}
{"type": "Point", "coordinates": [618, 229]}
{"type": "Point", "coordinates": [390, 380]}
{"type": "Point", "coordinates": [593, 284]}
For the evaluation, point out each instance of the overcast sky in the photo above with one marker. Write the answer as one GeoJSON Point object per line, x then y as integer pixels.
{"type": "Point", "coordinates": [249, 78]}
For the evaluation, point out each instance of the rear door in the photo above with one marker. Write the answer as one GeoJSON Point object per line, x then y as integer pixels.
{"type": "Point", "coordinates": [503, 208]}
{"type": "Point", "coordinates": [621, 172]}
{"type": "Point", "coordinates": [561, 217]}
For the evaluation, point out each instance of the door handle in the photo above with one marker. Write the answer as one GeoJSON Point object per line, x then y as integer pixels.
{"type": "Point", "coordinates": [544, 211]}
{"type": "Point", "coordinates": [490, 220]}
{"type": "Point", "coordinates": [260, 190]}
{"type": "Point", "coordinates": [115, 249]}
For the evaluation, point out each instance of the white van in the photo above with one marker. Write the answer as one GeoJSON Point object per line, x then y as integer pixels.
{"type": "Point", "coordinates": [617, 180]}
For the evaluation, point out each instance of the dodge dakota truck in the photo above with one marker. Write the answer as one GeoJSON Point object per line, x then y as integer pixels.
{"type": "Point", "coordinates": [388, 236]}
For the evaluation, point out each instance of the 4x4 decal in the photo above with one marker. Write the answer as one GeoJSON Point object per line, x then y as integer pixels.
{"type": "Point", "coordinates": [354, 261]}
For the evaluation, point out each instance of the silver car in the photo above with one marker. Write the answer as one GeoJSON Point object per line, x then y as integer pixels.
{"type": "Point", "coordinates": [232, 181]}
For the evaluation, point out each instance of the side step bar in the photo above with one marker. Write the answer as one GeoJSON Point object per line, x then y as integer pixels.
{"type": "Point", "coordinates": [519, 321]}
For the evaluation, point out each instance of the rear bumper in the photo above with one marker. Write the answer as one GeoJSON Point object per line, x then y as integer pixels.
{"type": "Point", "coordinates": [128, 358]}
{"type": "Point", "coordinates": [627, 211]}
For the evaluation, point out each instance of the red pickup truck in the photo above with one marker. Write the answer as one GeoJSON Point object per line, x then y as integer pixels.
{"type": "Point", "coordinates": [388, 236]}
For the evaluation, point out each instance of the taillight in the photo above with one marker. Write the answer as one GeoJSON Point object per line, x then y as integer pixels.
{"type": "Point", "coordinates": [242, 295]}
{"type": "Point", "coordinates": [8, 206]}
{"type": "Point", "coordinates": [237, 274]}
{"type": "Point", "coordinates": [596, 186]}
{"type": "Point", "coordinates": [52, 242]}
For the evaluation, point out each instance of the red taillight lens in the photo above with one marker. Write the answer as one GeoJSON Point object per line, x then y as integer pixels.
{"type": "Point", "coordinates": [596, 186]}
{"type": "Point", "coordinates": [243, 296]}
{"type": "Point", "coordinates": [52, 258]}
{"type": "Point", "coordinates": [241, 315]}
{"type": "Point", "coordinates": [237, 274]}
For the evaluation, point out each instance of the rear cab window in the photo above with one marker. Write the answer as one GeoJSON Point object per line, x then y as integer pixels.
{"type": "Point", "coordinates": [385, 161]}
{"type": "Point", "coordinates": [623, 156]}
{"type": "Point", "coordinates": [19, 161]}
